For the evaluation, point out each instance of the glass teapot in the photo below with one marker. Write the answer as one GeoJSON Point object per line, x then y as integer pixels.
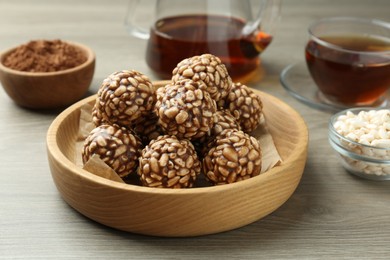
{"type": "Point", "coordinates": [236, 31]}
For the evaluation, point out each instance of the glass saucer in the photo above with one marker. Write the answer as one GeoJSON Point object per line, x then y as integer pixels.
{"type": "Point", "coordinates": [297, 81]}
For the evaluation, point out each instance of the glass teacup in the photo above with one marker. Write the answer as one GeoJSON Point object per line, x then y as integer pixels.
{"type": "Point", "coordinates": [349, 60]}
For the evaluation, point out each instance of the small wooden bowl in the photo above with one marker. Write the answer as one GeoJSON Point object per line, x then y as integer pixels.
{"type": "Point", "coordinates": [44, 90]}
{"type": "Point", "coordinates": [184, 212]}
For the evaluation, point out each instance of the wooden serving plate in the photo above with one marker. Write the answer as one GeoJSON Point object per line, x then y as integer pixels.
{"type": "Point", "coordinates": [183, 212]}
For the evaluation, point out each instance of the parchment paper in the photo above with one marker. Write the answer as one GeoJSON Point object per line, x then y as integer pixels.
{"type": "Point", "coordinates": [96, 166]}
{"type": "Point", "coordinates": [270, 154]}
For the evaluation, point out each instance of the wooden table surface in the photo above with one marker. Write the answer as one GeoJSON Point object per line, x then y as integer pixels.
{"type": "Point", "coordinates": [331, 215]}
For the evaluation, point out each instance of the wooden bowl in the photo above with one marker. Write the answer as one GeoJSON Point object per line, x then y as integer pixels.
{"type": "Point", "coordinates": [185, 212]}
{"type": "Point", "coordinates": [44, 90]}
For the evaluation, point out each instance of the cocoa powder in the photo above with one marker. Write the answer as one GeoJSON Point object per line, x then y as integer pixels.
{"type": "Point", "coordinates": [44, 56]}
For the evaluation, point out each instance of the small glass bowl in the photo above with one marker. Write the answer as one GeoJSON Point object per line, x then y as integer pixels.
{"type": "Point", "coordinates": [363, 160]}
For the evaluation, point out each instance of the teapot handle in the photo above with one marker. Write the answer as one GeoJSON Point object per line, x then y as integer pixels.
{"type": "Point", "coordinates": [268, 13]}
{"type": "Point", "coordinates": [130, 21]}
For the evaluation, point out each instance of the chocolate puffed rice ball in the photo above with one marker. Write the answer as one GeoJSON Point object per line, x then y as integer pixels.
{"type": "Point", "coordinates": [223, 120]}
{"type": "Point", "coordinates": [168, 162]}
{"type": "Point", "coordinates": [234, 156]}
{"type": "Point", "coordinates": [208, 69]}
{"type": "Point", "coordinates": [246, 106]}
{"type": "Point", "coordinates": [147, 128]}
{"type": "Point", "coordinates": [118, 147]}
{"type": "Point", "coordinates": [185, 110]}
{"type": "Point", "coordinates": [123, 97]}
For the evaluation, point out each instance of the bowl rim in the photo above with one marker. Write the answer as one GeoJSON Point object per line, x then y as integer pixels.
{"type": "Point", "coordinates": [54, 151]}
{"type": "Point", "coordinates": [355, 156]}
{"type": "Point", "coordinates": [91, 56]}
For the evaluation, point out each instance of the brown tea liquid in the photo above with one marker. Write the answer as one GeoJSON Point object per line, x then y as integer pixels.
{"type": "Point", "coordinates": [173, 39]}
{"type": "Point", "coordinates": [348, 77]}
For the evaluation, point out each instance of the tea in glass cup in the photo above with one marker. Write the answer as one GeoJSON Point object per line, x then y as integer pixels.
{"type": "Point", "coordinates": [349, 60]}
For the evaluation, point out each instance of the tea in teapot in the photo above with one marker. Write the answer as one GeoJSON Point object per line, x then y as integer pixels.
{"type": "Point", "coordinates": [227, 29]}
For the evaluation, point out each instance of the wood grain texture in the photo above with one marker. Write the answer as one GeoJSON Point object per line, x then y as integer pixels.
{"type": "Point", "coordinates": [186, 212]}
{"type": "Point", "coordinates": [331, 214]}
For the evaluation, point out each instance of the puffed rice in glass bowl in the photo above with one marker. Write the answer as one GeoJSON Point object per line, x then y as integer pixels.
{"type": "Point", "coordinates": [361, 137]}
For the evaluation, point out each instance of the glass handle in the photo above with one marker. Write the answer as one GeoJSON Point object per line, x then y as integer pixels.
{"type": "Point", "coordinates": [130, 21]}
{"type": "Point", "coordinates": [267, 15]}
